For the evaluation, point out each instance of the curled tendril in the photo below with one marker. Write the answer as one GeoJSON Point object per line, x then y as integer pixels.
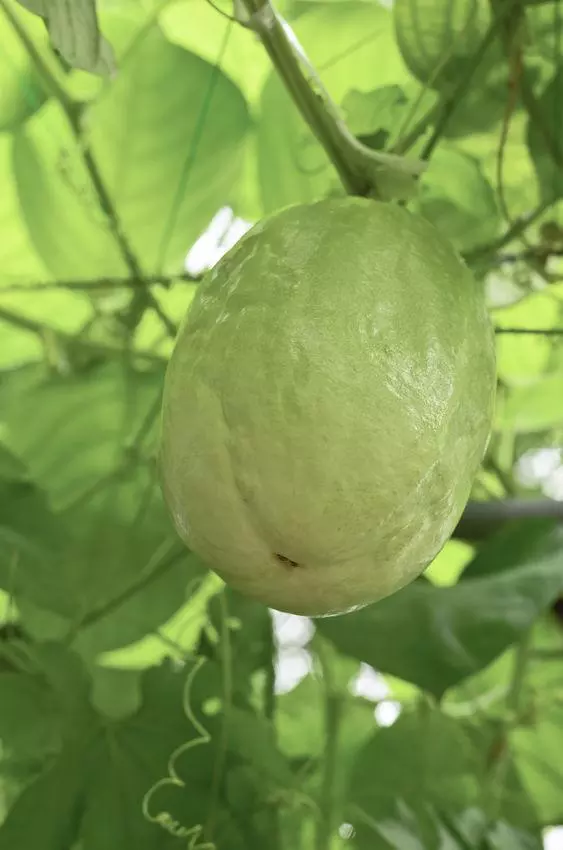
{"type": "Point", "coordinates": [164, 819]}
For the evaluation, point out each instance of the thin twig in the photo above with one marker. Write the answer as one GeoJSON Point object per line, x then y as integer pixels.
{"type": "Point", "coordinates": [146, 579]}
{"type": "Point", "coordinates": [227, 694]}
{"type": "Point", "coordinates": [462, 87]}
{"type": "Point", "coordinates": [101, 283]}
{"type": "Point", "coordinates": [520, 225]}
{"type": "Point", "coordinates": [547, 654]}
{"type": "Point", "coordinates": [459, 92]}
{"type": "Point", "coordinates": [531, 331]}
{"type": "Point", "coordinates": [536, 252]}
{"type": "Point", "coordinates": [44, 332]}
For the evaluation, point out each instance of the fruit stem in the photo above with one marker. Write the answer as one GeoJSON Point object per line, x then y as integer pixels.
{"type": "Point", "coordinates": [358, 167]}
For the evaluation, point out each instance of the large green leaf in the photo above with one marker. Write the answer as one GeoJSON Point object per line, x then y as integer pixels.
{"type": "Point", "coordinates": [116, 529]}
{"type": "Point", "coordinates": [88, 418]}
{"type": "Point", "coordinates": [198, 27]}
{"type": "Point", "coordinates": [435, 773]}
{"type": "Point", "coordinates": [37, 704]}
{"type": "Point", "coordinates": [93, 792]}
{"type": "Point", "coordinates": [167, 136]}
{"type": "Point", "coordinates": [439, 37]}
{"type": "Point", "coordinates": [458, 199]}
{"type": "Point", "coordinates": [441, 42]}
{"type": "Point", "coordinates": [58, 201]}
{"type": "Point", "coordinates": [437, 636]}
{"type": "Point", "coordinates": [19, 266]}
{"type": "Point", "coordinates": [533, 406]}
{"type": "Point", "coordinates": [30, 533]}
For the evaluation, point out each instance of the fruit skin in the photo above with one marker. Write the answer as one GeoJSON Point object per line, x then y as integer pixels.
{"type": "Point", "coordinates": [329, 400]}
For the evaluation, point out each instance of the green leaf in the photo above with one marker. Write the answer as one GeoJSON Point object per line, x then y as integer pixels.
{"type": "Point", "coordinates": [438, 39]}
{"type": "Point", "coordinates": [379, 117]}
{"type": "Point", "coordinates": [90, 417]}
{"type": "Point", "coordinates": [442, 635]}
{"type": "Point", "coordinates": [29, 530]}
{"type": "Point", "coordinates": [73, 28]}
{"type": "Point", "coordinates": [30, 720]}
{"type": "Point", "coordinates": [536, 747]}
{"type": "Point", "coordinates": [21, 90]}
{"type": "Point", "coordinates": [168, 138]}
{"type": "Point", "coordinates": [458, 199]}
{"type": "Point", "coordinates": [532, 406]}
{"type": "Point", "coordinates": [253, 738]}
{"type": "Point", "coordinates": [506, 837]}
{"type": "Point", "coordinates": [134, 615]}
{"type": "Point", "coordinates": [117, 532]}
{"type": "Point", "coordinates": [519, 184]}
{"type": "Point", "coordinates": [545, 139]}
{"type": "Point", "coordinates": [11, 467]}
{"type": "Point", "coordinates": [20, 265]}
{"type": "Point", "coordinates": [101, 763]}
{"type": "Point", "coordinates": [106, 768]}
{"type": "Point", "coordinates": [115, 693]}
{"type": "Point", "coordinates": [521, 357]}
{"type": "Point", "coordinates": [58, 201]}
{"type": "Point", "coordinates": [544, 29]}
{"type": "Point", "coordinates": [441, 42]}
{"type": "Point", "coordinates": [175, 639]}
{"type": "Point", "coordinates": [429, 759]}
{"type": "Point", "coordinates": [448, 565]}
{"type": "Point", "coordinates": [30, 534]}
{"type": "Point", "coordinates": [198, 28]}
{"type": "Point", "coordinates": [434, 778]}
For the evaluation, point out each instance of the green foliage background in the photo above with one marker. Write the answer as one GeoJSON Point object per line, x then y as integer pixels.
{"type": "Point", "coordinates": [123, 661]}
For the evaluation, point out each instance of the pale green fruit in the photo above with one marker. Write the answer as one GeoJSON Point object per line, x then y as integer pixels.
{"type": "Point", "coordinates": [327, 406]}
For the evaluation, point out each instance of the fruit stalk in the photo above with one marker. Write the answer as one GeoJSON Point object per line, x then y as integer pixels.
{"type": "Point", "coordinates": [362, 171]}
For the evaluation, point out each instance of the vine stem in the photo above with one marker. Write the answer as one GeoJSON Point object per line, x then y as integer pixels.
{"type": "Point", "coordinates": [142, 297]}
{"type": "Point", "coordinates": [97, 284]}
{"type": "Point", "coordinates": [483, 519]}
{"type": "Point", "coordinates": [514, 232]}
{"type": "Point", "coordinates": [356, 164]}
{"type": "Point", "coordinates": [333, 711]}
{"type": "Point", "coordinates": [222, 743]}
{"type": "Point", "coordinates": [47, 332]}
{"type": "Point", "coordinates": [161, 564]}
